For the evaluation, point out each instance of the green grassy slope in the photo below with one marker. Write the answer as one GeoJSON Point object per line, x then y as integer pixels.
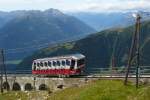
{"type": "Point", "coordinates": [96, 90]}
{"type": "Point", "coordinates": [103, 90]}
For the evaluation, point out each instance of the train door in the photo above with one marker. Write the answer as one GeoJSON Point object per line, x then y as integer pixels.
{"type": "Point", "coordinates": [72, 64]}
{"type": "Point", "coordinates": [80, 65]}
{"type": "Point", "coordinates": [55, 67]}
{"type": "Point", "coordinates": [46, 67]}
{"type": "Point", "coordinates": [58, 66]}
{"type": "Point", "coordinates": [63, 63]}
{"type": "Point", "coordinates": [50, 67]}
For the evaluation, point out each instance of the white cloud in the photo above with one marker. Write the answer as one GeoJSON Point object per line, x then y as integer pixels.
{"type": "Point", "coordinates": [76, 5]}
{"type": "Point", "coordinates": [116, 5]}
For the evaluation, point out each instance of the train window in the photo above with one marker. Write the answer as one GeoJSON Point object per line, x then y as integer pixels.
{"type": "Point", "coordinates": [58, 63]}
{"type": "Point", "coordinates": [38, 64]}
{"type": "Point", "coordinates": [68, 62]}
{"type": "Point", "coordinates": [45, 64]}
{"type": "Point", "coordinates": [81, 62]}
{"type": "Point", "coordinates": [34, 66]}
{"type": "Point", "coordinates": [63, 63]}
{"type": "Point", "coordinates": [49, 64]}
{"type": "Point", "coordinates": [41, 64]}
{"type": "Point", "coordinates": [72, 63]}
{"type": "Point", "coordinates": [54, 63]}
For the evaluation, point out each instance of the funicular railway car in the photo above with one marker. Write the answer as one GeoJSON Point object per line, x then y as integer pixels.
{"type": "Point", "coordinates": [61, 65]}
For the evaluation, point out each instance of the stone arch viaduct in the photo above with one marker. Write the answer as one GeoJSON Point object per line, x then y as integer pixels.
{"type": "Point", "coordinates": [28, 83]}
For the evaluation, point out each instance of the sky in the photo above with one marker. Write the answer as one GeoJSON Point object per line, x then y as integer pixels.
{"type": "Point", "coordinates": [76, 5]}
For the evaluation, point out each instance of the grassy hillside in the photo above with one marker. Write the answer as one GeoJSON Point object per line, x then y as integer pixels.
{"type": "Point", "coordinates": [98, 48]}
{"type": "Point", "coordinates": [95, 90]}
{"type": "Point", "coordinates": [103, 90]}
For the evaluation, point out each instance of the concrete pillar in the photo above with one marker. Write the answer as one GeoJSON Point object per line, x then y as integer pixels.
{"type": "Point", "coordinates": [36, 87]}
{"type": "Point", "coordinates": [22, 87]}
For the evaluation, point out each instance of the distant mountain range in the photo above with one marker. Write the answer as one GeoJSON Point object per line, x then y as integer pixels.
{"type": "Point", "coordinates": [102, 21]}
{"type": "Point", "coordinates": [33, 29]}
{"type": "Point", "coordinates": [98, 48]}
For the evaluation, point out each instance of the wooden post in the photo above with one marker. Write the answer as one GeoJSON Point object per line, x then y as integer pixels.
{"type": "Point", "coordinates": [134, 51]}
{"type": "Point", "coordinates": [1, 68]}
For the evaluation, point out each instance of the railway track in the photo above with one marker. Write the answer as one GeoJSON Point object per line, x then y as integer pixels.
{"type": "Point", "coordinates": [94, 73]}
{"type": "Point", "coordinates": [79, 76]}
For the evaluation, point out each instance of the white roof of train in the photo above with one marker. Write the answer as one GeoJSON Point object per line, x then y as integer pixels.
{"type": "Point", "coordinates": [74, 56]}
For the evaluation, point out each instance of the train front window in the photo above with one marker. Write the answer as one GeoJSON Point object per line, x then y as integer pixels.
{"type": "Point", "coordinates": [81, 62]}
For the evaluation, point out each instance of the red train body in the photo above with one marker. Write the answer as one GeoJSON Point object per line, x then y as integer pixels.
{"type": "Point", "coordinates": [62, 65]}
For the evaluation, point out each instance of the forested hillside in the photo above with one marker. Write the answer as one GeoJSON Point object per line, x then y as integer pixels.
{"type": "Point", "coordinates": [98, 48]}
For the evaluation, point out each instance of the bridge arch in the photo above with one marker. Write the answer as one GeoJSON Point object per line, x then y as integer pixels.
{"type": "Point", "coordinates": [28, 87]}
{"type": "Point", "coordinates": [43, 87]}
{"type": "Point", "coordinates": [6, 86]}
{"type": "Point", "coordinates": [60, 86]}
{"type": "Point", "coordinates": [16, 87]}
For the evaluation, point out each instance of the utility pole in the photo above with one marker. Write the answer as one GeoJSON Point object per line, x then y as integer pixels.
{"type": "Point", "coordinates": [3, 69]}
{"type": "Point", "coordinates": [138, 23]}
{"type": "Point", "coordinates": [113, 60]}
{"type": "Point", "coordinates": [134, 54]}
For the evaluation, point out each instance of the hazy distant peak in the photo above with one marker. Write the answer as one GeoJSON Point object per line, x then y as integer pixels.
{"type": "Point", "coordinates": [53, 12]}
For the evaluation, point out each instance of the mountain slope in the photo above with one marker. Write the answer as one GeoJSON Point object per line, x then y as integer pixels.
{"type": "Point", "coordinates": [3, 18]}
{"type": "Point", "coordinates": [103, 90]}
{"type": "Point", "coordinates": [101, 21]}
{"type": "Point", "coordinates": [98, 48]}
{"type": "Point", "coordinates": [34, 28]}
